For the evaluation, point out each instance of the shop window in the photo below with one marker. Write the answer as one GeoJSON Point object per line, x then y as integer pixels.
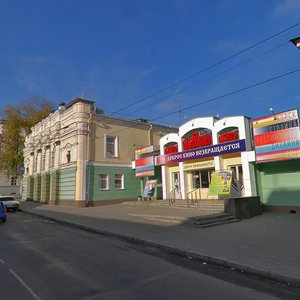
{"type": "Point", "coordinates": [201, 179]}
{"type": "Point", "coordinates": [111, 146]}
{"type": "Point", "coordinates": [119, 181]}
{"type": "Point", "coordinates": [103, 182]}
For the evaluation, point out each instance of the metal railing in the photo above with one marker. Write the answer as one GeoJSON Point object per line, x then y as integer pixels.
{"type": "Point", "coordinates": [194, 195]}
{"type": "Point", "coordinates": [172, 196]}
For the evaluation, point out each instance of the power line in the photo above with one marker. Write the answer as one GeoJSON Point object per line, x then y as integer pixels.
{"type": "Point", "coordinates": [212, 99]}
{"type": "Point", "coordinates": [216, 75]}
{"type": "Point", "coordinates": [230, 93]}
{"type": "Point", "coordinates": [205, 69]}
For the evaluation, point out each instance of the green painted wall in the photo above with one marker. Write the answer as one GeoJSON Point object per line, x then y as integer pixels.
{"type": "Point", "coordinates": [67, 183]}
{"type": "Point", "coordinates": [278, 183]}
{"type": "Point", "coordinates": [54, 186]}
{"type": "Point", "coordinates": [30, 184]}
{"type": "Point", "coordinates": [131, 183]}
{"type": "Point", "coordinates": [37, 188]}
{"type": "Point", "coordinates": [45, 188]}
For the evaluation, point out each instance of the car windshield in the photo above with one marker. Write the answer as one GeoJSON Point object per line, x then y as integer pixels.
{"type": "Point", "coordinates": [7, 199]}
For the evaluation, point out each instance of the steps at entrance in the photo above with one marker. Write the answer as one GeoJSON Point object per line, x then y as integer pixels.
{"type": "Point", "coordinates": [212, 220]}
{"type": "Point", "coordinates": [214, 206]}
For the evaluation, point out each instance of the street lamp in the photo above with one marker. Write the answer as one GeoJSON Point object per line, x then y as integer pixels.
{"type": "Point", "coordinates": [296, 42]}
{"type": "Point", "coordinates": [272, 111]}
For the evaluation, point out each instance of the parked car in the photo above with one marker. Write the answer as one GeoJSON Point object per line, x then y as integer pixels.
{"type": "Point", "coordinates": [10, 202]}
{"type": "Point", "coordinates": [3, 214]}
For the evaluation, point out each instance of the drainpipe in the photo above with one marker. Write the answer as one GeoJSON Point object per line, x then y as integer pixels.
{"type": "Point", "coordinates": [149, 135]}
{"type": "Point", "coordinates": [87, 164]}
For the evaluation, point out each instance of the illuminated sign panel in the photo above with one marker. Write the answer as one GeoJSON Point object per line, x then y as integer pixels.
{"type": "Point", "coordinates": [144, 162]}
{"type": "Point", "coordinates": [277, 137]}
{"type": "Point", "coordinates": [171, 149]}
{"type": "Point", "coordinates": [196, 140]}
{"type": "Point", "coordinates": [228, 136]}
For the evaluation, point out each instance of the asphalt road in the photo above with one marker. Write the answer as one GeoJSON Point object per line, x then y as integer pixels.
{"type": "Point", "coordinates": [40, 259]}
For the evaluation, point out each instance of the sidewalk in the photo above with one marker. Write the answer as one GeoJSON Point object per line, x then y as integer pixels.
{"type": "Point", "coordinates": [266, 245]}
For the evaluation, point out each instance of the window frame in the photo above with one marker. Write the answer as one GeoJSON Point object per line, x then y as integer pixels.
{"type": "Point", "coordinates": [121, 179]}
{"type": "Point", "coordinates": [105, 179]}
{"type": "Point", "coordinates": [115, 146]}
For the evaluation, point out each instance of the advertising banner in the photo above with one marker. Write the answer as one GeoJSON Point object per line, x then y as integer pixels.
{"type": "Point", "coordinates": [144, 162]}
{"type": "Point", "coordinates": [277, 137]}
{"type": "Point", "coordinates": [209, 151]}
{"type": "Point", "coordinates": [220, 183]}
{"type": "Point", "coordinates": [149, 188]}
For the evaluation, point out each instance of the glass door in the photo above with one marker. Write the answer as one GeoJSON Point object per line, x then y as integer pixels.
{"type": "Point", "coordinates": [176, 185]}
{"type": "Point", "coordinates": [237, 179]}
{"type": "Point", "coordinates": [201, 179]}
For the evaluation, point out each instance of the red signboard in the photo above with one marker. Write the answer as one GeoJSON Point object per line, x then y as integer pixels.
{"type": "Point", "coordinates": [196, 140]}
{"type": "Point", "coordinates": [171, 149]}
{"type": "Point", "coordinates": [228, 137]}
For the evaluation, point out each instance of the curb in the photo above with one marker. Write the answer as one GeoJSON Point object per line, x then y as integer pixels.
{"type": "Point", "coordinates": [291, 281]}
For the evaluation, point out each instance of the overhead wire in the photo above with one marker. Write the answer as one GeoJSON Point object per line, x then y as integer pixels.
{"type": "Point", "coordinates": [216, 75]}
{"type": "Point", "coordinates": [229, 94]}
{"type": "Point", "coordinates": [210, 100]}
{"type": "Point", "coordinates": [204, 69]}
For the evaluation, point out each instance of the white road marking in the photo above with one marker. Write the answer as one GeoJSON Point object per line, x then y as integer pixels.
{"type": "Point", "coordinates": [34, 295]}
{"type": "Point", "coordinates": [2, 261]}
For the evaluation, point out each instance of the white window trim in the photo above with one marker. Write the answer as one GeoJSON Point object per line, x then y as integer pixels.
{"type": "Point", "coordinates": [107, 182]}
{"type": "Point", "coordinates": [122, 182]}
{"type": "Point", "coordinates": [116, 146]}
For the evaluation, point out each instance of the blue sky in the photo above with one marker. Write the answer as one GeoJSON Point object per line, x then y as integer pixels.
{"type": "Point", "coordinates": [119, 52]}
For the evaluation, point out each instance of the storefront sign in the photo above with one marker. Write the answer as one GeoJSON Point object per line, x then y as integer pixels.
{"type": "Point", "coordinates": [196, 140]}
{"type": "Point", "coordinates": [211, 151]}
{"type": "Point", "coordinates": [228, 136]}
{"type": "Point", "coordinates": [220, 183]}
{"type": "Point", "coordinates": [277, 137]}
{"type": "Point", "coordinates": [199, 165]}
{"type": "Point", "coordinates": [171, 149]}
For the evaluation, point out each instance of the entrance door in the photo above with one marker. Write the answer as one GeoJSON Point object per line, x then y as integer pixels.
{"type": "Point", "coordinates": [237, 179]}
{"type": "Point", "coordinates": [201, 179]}
{"type": "Point", "coordinates": [176, 185]}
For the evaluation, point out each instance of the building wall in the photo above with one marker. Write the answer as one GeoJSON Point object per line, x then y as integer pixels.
{"type": "Point", "coordinates": [54, 196]}
{"type": "Point", "coordinates": [45, 188]}
{"type": "Point", "coordinates": [61, 149]}
{"type": "Point", "coordinates": [67, 180]}
{"type": "Point", "coordinates": [278, 184]}
{"type": "Point", "coordinates": [221, 162]}
{"type": "Point", "coordinates": [131, 136]}
{"type": "Point", "coordinates": [131, 183]}
{"type": "Point", "coordinates": [37, 181]}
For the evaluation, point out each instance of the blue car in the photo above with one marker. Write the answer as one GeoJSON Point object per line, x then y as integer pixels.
{"type": "Point", "coordinates": [3, 212]}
